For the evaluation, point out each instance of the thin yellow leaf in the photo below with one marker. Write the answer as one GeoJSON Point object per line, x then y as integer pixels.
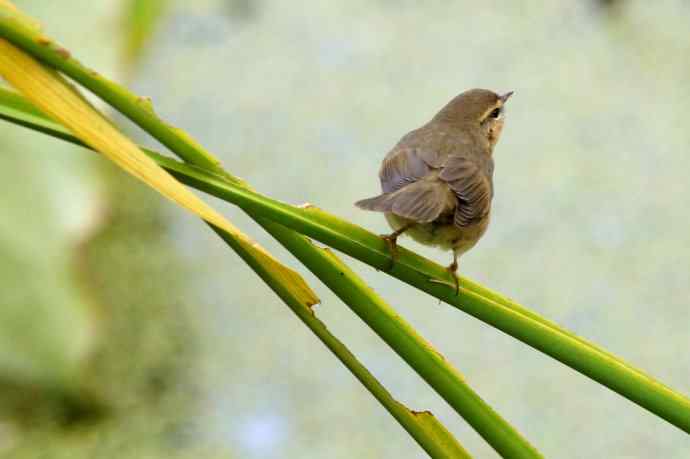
{"type": "Point", "coordinates": [56, 97]}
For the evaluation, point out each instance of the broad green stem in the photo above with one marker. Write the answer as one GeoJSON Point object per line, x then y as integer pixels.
{"type": "Point", "coordinates": [415, 270]}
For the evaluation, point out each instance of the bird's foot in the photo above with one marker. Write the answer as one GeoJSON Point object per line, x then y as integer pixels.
{"type": "Point", "coordinates": [392, 242]}
{"type": "Point", "coordinates": [455, 284]}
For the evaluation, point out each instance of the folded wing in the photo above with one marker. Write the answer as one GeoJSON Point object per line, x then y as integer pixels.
{"type": "Point", "coordinates": [471, 185]}
{"type": "Point", "coordinates": [421, 186]}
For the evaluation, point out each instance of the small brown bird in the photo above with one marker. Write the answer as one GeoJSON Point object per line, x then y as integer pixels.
{"type": "Point", "coordinates": [437, 182]}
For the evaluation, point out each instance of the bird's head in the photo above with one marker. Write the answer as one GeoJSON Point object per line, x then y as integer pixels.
{"type": "Point", "coordinates": [478, 111]}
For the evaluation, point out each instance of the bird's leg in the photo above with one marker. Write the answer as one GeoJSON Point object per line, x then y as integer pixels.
{"type": "Point", "coordinates": [452, 269]}
{"type": "Point", "coordinates": [392, 241]}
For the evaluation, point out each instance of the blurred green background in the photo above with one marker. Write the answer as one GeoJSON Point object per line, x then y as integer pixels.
{"type": "Point", "coordinates": [128, 330]}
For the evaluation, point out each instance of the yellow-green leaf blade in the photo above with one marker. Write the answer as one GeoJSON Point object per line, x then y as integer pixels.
{"type": "Point", "coordinates": [56, 97]}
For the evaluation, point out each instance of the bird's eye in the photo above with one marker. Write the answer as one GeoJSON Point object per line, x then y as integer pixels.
{"type": "Point", "coordinates": [495, 113]}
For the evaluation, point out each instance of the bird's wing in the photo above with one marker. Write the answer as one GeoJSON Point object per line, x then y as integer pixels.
{"type": "Point", "coordinates": [409, 189]}
{"type": "Point", "coordinates": [471, 185]}
{"type": "Point", "coordinates": [418, 154]}
{"type": "Point", "coordinates": [401, 167]}
{"type": "Point", "coordinates": [434, 157]}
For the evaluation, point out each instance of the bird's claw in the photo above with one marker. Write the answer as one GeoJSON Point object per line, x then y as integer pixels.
{"type": "Point", "coordinates": [392, 242]}
{"type": "Point", "coordinates": [455, 285]}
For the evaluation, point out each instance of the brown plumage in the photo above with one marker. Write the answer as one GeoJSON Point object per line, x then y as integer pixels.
{"type": "Point", "coordinates": [437, 182]}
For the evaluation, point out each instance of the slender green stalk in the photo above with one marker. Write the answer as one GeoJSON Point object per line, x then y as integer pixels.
{"type": "Point", "coordinates": [409, 345]}
{"type": "Point", "coordinates": [371, 308]}
{"type": "Point", "coordinates": [476, 300]}
{"type": "Point", "coordinates": [424, 428]}
{"type": "Point", "coordinates": [16, 30]}
{"type": "Point", "coordinates": [493, 309]}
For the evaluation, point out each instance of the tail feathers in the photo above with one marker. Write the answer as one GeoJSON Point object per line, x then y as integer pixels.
{"type": "Point", "coordinates": [381, 203]}
{"type": "Point", "coordinates": [421, 201]}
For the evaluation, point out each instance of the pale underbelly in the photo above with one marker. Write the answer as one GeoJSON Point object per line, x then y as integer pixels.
{"type": "Point", "coordinates": [441, 235]}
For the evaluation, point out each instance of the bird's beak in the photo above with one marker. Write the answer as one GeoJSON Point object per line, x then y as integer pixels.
{"type": "Point", "coordinates": [505, 96]}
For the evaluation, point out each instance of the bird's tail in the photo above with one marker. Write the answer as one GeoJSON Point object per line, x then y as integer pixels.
{"type": "Point", "coordinates": [380, 203]}
{"type": "Point", "coordinates": [421, 201]}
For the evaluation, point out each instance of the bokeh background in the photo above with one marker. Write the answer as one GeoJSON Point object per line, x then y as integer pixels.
{"type": "Point", "coordinates": [128, 330]}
